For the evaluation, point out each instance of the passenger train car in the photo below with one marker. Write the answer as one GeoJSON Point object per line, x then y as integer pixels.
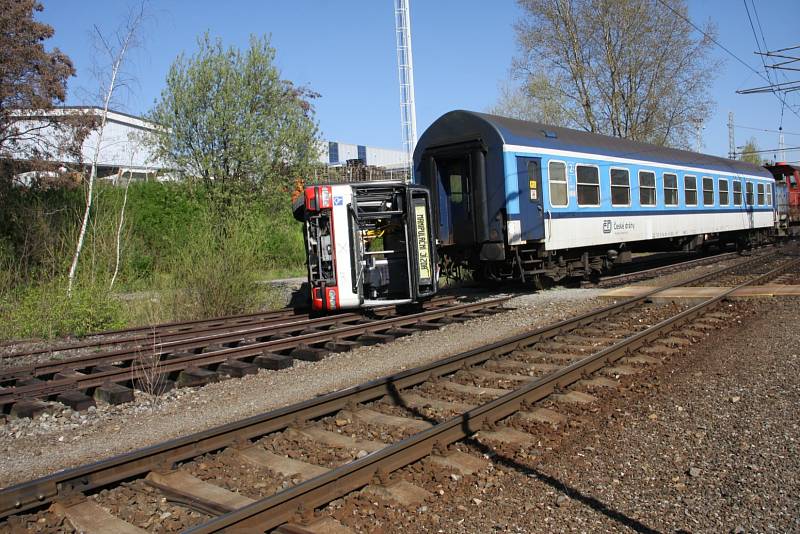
{"type": "Point", "coordinates": [508, 199]}
{"type": "Point", "coordinates": [517, 199]}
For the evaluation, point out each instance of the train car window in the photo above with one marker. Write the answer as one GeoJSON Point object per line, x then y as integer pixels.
{"type": "Point", "coordinates": [456, 189]}
{"type": "Point", "coordinates": [737, 193]}
{"type": "Point", "coordinates": [557, 176]}
{"type": "Point", "coordinates": [793, 181]}
{"type": "Point", "coordinates": [690, 190]}
{"type": "Point", "coordinates": [760, 194]}
{"type": "Point", "coordinates": [708, 191]}
{"type": "Point", "coordinates": [647, 188]}
{"type": "Point", "coordinates": [620, 187]}
{"type": "Point", "coordinates": [670, 189]}
{"type": "Point", "coordinates": [588, 185]}
{"type": "Point", "coordinates": [749, 193]}
{"type": "Point", "coordinates": [769, 195]}
{"type": "Point", "coordinates": [723, 193]}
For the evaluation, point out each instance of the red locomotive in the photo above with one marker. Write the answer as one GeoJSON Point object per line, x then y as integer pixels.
{"type": "Point", "coordinates": [787, 196]}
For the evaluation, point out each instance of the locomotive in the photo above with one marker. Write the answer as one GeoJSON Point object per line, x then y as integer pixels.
{"type": "Point", "coordinates": [505, 199]}
{"type": "Point", "coordinates": [787, 198]}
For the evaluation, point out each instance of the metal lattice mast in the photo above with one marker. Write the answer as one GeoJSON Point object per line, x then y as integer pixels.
{"type": "Point", "coordinates": [405, 68]}
{"type": "Point", "coordinates": [731, 141]}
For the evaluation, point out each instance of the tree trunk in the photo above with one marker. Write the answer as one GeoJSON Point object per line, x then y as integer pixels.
{"type": "Point", "coordinates": [119, 230]}
{"type": "Point", "coordinates": [93, 174]}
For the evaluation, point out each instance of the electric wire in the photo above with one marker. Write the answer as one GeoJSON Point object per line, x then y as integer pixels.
{"type": "Point", "coordinates": [723, 47]}
{"type": "Point", "coordinates": [764, 130]}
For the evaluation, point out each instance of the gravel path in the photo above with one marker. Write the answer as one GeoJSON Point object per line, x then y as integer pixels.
{"type": "Point", "coordinates": [63, 438]}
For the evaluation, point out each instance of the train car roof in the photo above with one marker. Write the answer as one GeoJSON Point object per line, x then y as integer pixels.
{"type": "Point", "coordinates": [494, 130]}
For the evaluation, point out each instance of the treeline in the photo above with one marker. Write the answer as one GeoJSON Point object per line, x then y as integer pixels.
{"type": "Point", "coordinates": [239, 134]}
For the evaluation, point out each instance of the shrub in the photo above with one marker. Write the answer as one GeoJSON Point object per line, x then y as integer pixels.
{"type": "Point", "coordinates": [214, 273]}
{"type": "Point", "coordinates": [44, 311]}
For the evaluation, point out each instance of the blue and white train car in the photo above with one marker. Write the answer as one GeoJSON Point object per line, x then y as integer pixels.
{"type": "Point", "coordinates": [517, 199]}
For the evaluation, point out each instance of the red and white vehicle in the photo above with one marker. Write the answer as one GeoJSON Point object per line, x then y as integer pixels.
{"type": "Point", "coordinates": [787, 197]}
{"type": "Point", "coordinates": [368, 244]}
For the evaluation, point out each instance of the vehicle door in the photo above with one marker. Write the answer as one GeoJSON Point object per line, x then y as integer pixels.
{"type": "Point", "coordinates": [531, 207]}
{"type": "Point", "coordinates": [455, 176]}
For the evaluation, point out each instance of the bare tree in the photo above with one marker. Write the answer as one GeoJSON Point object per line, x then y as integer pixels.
{"type": "Point", "coordinates": [535, 100]}
{"type": "Point", "coordinates": [125, 38]}
{"type": "Point", "coordinates": [134, 139]}
{"type": "Point", "coordinates": [627, 68]}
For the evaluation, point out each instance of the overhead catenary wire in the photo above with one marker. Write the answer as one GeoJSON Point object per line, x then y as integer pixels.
{"type": "Point", "coordinates": [764, 130]}
{"type": "Point", "coordinates": [723, 47]}
{"type": "Point", "coordinates": [758, 43]}
{"type": "Point", "coordinates": [787, 149]}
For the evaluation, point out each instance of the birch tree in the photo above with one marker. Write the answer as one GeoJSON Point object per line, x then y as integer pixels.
{"type": "Point", "coordinates": [123, 41]}
{"type": "Point", "coordinates": [120, 226]}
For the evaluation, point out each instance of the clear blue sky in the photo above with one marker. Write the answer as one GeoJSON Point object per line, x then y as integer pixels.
{"type": "Point", "coordinates": [345, 50]}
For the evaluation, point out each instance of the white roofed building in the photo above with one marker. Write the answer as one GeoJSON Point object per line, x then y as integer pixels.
{"type": "Point", "coordinates": [123, 150]}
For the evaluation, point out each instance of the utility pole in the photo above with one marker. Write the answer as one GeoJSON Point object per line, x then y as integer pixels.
{"type": "Point", "coordinates": [731, 142]}
{"type": "Point", "coordinates": [405, 67]}
{"type": "Point", "coordinates": [781, 144]}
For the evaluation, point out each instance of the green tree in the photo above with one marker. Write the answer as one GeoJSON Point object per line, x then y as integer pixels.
{"type": "Point", "coordinates": [230, 121]}
{"type": "Point", "coordinates": [750, 152]}
{"type": "Point", "coordinates": [626, 68]}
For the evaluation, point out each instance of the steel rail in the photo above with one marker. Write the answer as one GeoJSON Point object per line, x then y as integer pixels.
{"type": "Point", "coordinates": [140, 332]}
{"type": "Point", "coordinates": [165, 367]}
{"type": "Point", "coordinates": [637, 275]}
{"type": "Point", "coordinates": [205, 326]}
{"type": "Point", "coordinates": [163, 348]}
{"type": "Point", "coordinates": [35, 493]}
{"type": "Point", "coordinates": [282, 507]}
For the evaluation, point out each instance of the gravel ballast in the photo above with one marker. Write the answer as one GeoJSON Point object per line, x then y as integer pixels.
{"type": "Point", "coordinates": [63, 438]}
{"type": "Point", "coordinates": [706, 442]}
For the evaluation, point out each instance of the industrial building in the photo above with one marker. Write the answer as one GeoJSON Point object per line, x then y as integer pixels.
{"type": "Point", "coordinates": [123, 150]}
{"type": "Point", "coordinates": [335, 153]}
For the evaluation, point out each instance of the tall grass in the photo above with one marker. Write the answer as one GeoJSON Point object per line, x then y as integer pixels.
{"type": "Point", "coordinates": [215, 273]}
{"type": "Point", "coordinates": [44, 311]}
{"type": "Point", "coordinates": [191, 258]}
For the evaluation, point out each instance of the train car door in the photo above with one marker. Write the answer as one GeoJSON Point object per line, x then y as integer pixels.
{"type": "Point", "coordinates": [531, 207]}
{"type": "Point", "coordinates": [455, 176]}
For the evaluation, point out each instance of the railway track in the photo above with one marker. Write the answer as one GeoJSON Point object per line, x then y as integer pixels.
{"type": "Point", "coordinates": [141, 337]}
{"type": "Point", "coordinates": [740, 273]}
{"type": "Point", "coordinates": [273, 470]}
{"type": "Point", "coordinates": [660, 270]}
{"type": "Point", "coordinates": [198, 360]}
{"type": "Point", "coordinates": [132, 335]}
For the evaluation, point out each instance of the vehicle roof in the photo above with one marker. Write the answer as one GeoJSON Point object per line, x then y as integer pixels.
{"type": "Point", "coordinates": [496, 130]}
